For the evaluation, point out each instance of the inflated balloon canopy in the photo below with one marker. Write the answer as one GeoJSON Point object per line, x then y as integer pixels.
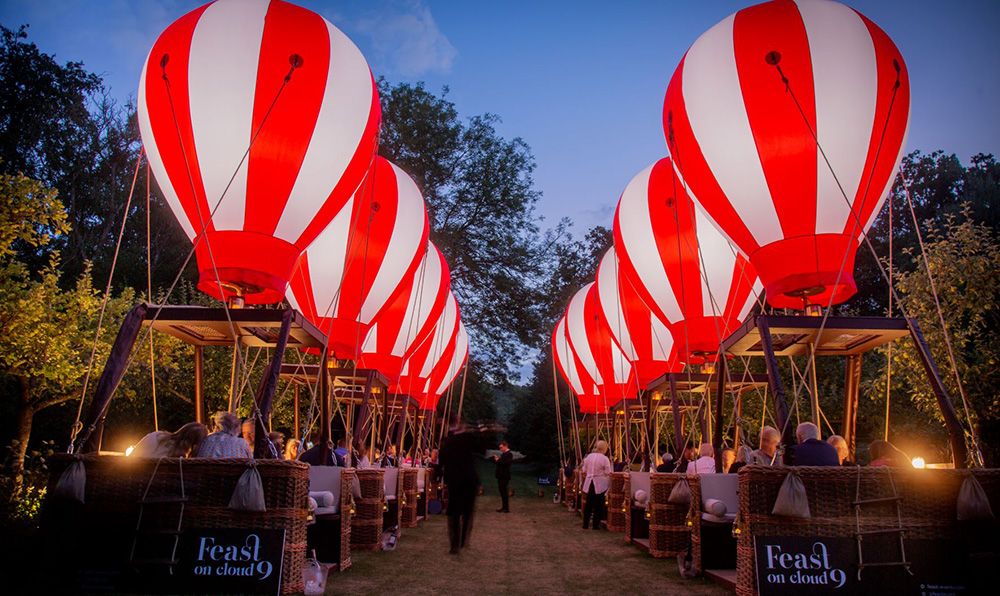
{"type": "Point", "coordinates": [787, 121]}
{"type": "Point", "coordinates": [260, 120]}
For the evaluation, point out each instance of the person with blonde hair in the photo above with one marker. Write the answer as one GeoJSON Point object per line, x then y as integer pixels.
{"type": "Point", "coordinates": [292, 449]}
{"type": "Point", "coordinates": [182, 443]}
{"type": "Point", "coordinates": [767, 455]}
{"type": "Point", "coordinates": [840, 444]}
{"type": "Point", "coordinates": [596, 469]}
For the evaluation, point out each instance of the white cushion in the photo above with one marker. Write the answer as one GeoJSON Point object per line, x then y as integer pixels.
{"type": "Point", "coordinates": [715, 507]}
{"type": "Point", "coordinates": [727, 518]}
{"type": "Point", "coordinates": [641, 497]}
{"type": "Point", "coordinates": [391, 477]}
{"type": "Point", "coordinates": [720, 487]}
{"type": "Point", "coordinates": [324, 481]}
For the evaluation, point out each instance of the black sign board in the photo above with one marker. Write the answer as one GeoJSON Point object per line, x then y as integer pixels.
{"type": "Point", "coordinates": [230, 561]}
{"type": "Point", "coordinates": [829, 566]}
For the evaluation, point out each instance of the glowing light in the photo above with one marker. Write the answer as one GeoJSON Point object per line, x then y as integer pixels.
{"type": "Point", "coordinates": [918, 462]}
{"type": "Point", "coordinates": [708, 368]}
{"type": "Point", "coordinates": [128, 451]}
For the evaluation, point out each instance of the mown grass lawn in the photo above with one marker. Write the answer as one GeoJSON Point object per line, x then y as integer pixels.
{"type": "Point", "coordinates": [538, 548]}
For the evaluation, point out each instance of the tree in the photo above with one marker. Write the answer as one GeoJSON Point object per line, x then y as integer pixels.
{"type": "Point", "coordinates": [964, 258]}
{"type": "Point", "coordinates": [47, 331]}
{"type": "Point", "coordinates": [59, 125]}
{"type": "Point", "coordinates": [480, 200]}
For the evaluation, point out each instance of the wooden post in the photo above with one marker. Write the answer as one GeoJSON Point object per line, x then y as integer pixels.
{"type": "Point", "coordinates": [678, 423]}
{"type": "Point", "coordinates": [199, 384]}
{"type": "Point", "coordinates": [296, 421]}
{"type": "Point", "coordinates": [814, 391]}
{"type": "Point", "coordinates": [720, 402]}
{"type": "Point", "coordinates": [852, 391]}
{"type": "Point", "coordinates": [774, 380]}
{"type": "Point", "coordinates": [264, 398]}
{"type": "Point", "coordinates": [958, 448]}
{"type": "Point", "coordinates": [93, 425]}
{"type": "Point", "coordinates": [324, 408]}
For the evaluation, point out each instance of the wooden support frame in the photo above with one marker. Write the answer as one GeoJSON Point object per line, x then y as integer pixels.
{"type": "Point", "coordinates": [791, 335]}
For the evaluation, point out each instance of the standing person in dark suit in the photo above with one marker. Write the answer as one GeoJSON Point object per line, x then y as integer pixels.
{"type": "Point", "coordinates": [503, 475]}
{"type": "Point", "coordinates": [458, 464]}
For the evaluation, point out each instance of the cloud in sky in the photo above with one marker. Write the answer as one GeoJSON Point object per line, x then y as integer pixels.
{"type": "Point", "coordinates": [405, 39]}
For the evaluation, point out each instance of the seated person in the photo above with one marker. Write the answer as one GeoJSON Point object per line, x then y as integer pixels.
{"type": "Point", "coordinates": [225, 441]}
{"type": "Point", "coordinates": [314, 456]}
{"type": "Point", "coordinates": [687, 456]}
{"type": "Point", "coordinates": [183, 443]}
{"type": "Point", "coordinates": [341, 452]}
{"type": "Point", "coordinates": [668, 464]}
{"type": "Point", "coordinates": [767, 454]}
{"type": "Point", "coordinates": [249, 432]}
{"type": "Point", "coordinates": [885, 454]}
{"type": "Point", "coordinates": [361, 459]}
{"type": "Point", "coordinates": [705, 464]}
{"type": "Point", "coordinates": [728, 459]}
{"type": "Point", "coordinates": [811, 451]}
{"type": "Point", "coordinates": [840, 444]}
{"type": "Point", "coordinates": [276, 447]}
{"type": "Point", "coordinates": [389, 457]}
{"type": "Point", "coordinates": [292, 449]}
{"type": "Point", "coordinates": [742, 457]}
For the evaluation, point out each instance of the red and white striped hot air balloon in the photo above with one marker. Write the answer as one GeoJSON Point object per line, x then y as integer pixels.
{"type": "Point", "coordinates": [591, 341]}
{"type": "Point", "coordinates": [643, 338]}
{"type": "Point", "coordinates": [410, 319]}
{"type": "Point", "coordinates": [748, 153]}
{"type": "Point", "coordinates": [573, 372]}
{"type": "Point", "coordinates": [419, 365]}
{"type": "Point", "coordinates": [363, 260]}
{"type": "Point", "coordinates": [446, 370]}
{"type": "Point", "coordinates": [260, 120]}
{"type": "Point", "coordinates": [682, 267]}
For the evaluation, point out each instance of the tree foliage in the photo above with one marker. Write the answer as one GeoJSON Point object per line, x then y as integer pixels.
{"type": "Point", "coordinates": [964, 259]}
{"type": "Point", "coordinates": [60, 126]}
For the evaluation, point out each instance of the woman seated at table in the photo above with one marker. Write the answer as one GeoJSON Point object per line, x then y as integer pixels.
{"type": "Point", "coordinates": [182, 443]}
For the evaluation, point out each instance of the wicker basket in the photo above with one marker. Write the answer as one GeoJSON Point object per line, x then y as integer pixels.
{"type": "Point", "coordinates": [366, 527]}
{"type": "Point", "coordinates": [347, 508]}
{"type": "Point", "coordinates": [616, 501]}
{"type": "Point", "coordinates": [927, 508]}
{"type": "Point", "coordinates": [694, 522]}
{"type": "Point", "coordinates": [669, 533]}
{"type": "Point", "coordinates": [627, 509]}
{"type": "Point", "coordinates": [409, 496]}
{"type": "Point", "coordinates": [102, 530]}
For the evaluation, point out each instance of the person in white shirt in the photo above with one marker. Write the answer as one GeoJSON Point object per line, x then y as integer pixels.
{"type": "Point", "coordinates": [596, 469]}
{"type": "Point", "coordinates": [705, 464]}
{"type": "Point", "coordinates": [767, 455]}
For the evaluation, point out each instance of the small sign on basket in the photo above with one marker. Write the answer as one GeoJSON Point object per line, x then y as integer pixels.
{"type": "Point", "coordinates": [231, 561]}
{"type": "Point", "coordinates": [826, 566]}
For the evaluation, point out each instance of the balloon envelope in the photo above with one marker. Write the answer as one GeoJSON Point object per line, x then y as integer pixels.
{"type": "Point", "coordinates": [352, 273]}
{"type": "Point", "coordinates": [745, 145]}
{"type": "Point", "coordinates": [260, 163]}
{"type": "Point", "coordinates": [681, 266]}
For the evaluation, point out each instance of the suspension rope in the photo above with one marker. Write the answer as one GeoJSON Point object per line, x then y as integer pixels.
{"type": "Point", "coordinates": [888, 354]}
{"type": "Point", "coordinates": [149, 297]}
{"type": "Point", "coordinates": [104, 303]}
{"type": "Point", "coordinates": [198, 238]}
{"type": "Point", "coordinates": [940, 313]}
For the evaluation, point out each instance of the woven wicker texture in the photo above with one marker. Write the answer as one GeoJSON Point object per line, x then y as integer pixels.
{"type": "Point", "coordinates": [668, 530]}
{"type": "Point", "coordinates": [408, 497]}
{"type": "Point", "coordinates": [116, 484]}
{"type": "Point", "coordinates": [616, 502]}
{"type": "Point", "coordinates": [347, 506]}
{"type": "Point", "coordinates": [927, 507]}
{"type": "Point", "coordinates": [366, 527]}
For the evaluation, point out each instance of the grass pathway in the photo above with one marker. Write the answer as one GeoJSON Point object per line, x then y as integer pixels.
{"type": "Point", "coordinates": [538, 548]}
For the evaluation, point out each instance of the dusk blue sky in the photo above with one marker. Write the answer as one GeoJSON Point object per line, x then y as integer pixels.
{"type": "Point", "coordinates": [581, 82]}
